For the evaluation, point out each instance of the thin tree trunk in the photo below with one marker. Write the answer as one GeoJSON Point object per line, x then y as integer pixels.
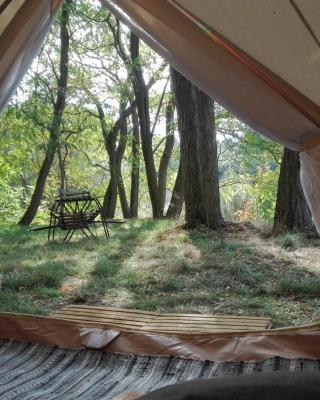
{"type": "Point", "coordinates": [135, 169]}
{"type": "Point", "coordinates": [166, 155]}
{"type": "Point", "coordinates": [142, 98]}
{"type": "Point", "coordinates": [109, 203]}
{"type": "Point", "coordinates": [58, 110]}
{"type": "Point", "coordinates": [177, 197]}
{"type": "Point", "coordinates": [62, 170]}
{"type": "Point", "coordinates": [292, 212]}
{"type": "Point", "coordinates": [115, 158]}
{"type": "Point", "coordinates": [119, 156]}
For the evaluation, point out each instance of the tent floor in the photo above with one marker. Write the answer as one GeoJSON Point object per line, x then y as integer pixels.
{"type": "Point", "coordinates": [137, 320]}
{"type": "Point", "coordinates": [45, 372]}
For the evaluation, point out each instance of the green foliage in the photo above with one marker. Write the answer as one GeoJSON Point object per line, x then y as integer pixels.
{"type": "Point", "coordinates": [249, 169]}
{"type": "Point", "coordinates": [10, 203]}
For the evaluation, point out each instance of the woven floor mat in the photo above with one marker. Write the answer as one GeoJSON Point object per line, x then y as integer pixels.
{"type": "Point", "coordinates": [32, 372]}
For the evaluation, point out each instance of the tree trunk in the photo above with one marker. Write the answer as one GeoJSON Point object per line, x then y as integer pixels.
{"type": "Point", "coordinates": [142, 99]}
{"type": "Point", "coordinates": [177, 198]}
{"type": "Point", "coordinates": [109, 204]}
{"type": "Point", "coordinates": [198, 154]}
{"type": "Point", "coordinates": [188, 130]}
{"type": "Point", "coordinates": [110, 198]}
{"type": "Point", "coordinates": [58, 110]}
{"type": "Point", "coordinates": [62, 169]}
{"type": "Point", "coordinates": [292, 212]}
{"type": "Point", "coordinates": [135, 169]}
{"type": "Point", "coordinates": [166, 155]}
{"type": "Point", "coordinates": [123, 198]}
{"type": "Point", "coordinates": [119, 156]}
{"type": "Point", "coordinates": [208, 159]}
{"type": "Point", "coordinates": [115, 154]}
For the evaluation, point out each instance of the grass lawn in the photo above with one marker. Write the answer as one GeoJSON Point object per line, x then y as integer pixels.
{"type": "Point", "coordinates": [156, 265]}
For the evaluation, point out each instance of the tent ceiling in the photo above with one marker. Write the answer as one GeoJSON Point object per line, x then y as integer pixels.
{"type": "Point", "coordinates": [272, 32]}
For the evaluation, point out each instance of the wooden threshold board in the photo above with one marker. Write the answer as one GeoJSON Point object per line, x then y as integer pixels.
{"type": "Point", "coordinates": [142, 321]}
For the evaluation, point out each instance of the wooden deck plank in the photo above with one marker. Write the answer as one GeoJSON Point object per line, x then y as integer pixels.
{"type": "Point", "coordinates": [173, 317]}
{"type": "Point", "coordinates": [148, 327]}
{"type": "Point", "coordinates": [120, 310]}
{"type": "Point", "coordinates": [158, 322]}
{"type": "Point", "coordinates": [134, 311]}
{"type": "Point", "coordinates": [137, 320]}
{"type": "Point", "coordinates": [172, 330]}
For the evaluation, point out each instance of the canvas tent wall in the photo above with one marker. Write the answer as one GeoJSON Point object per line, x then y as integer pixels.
{"type": "Point", "coordinates": [259, 59]}
{"type": "Point", "coordinates": [23, 27]}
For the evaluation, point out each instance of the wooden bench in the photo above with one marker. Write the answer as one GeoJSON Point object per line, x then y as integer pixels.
{"type": "Point", "coordinates": [137, 320]}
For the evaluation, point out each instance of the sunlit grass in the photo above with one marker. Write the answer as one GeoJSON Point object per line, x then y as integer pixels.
{"type": "Point", "coordinates": [156, 265]}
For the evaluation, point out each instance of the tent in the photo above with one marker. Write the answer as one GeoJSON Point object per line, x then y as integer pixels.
{"type": "Point", "coordinates": [260, 60]}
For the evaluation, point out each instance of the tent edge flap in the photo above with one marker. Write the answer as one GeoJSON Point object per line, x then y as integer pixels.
{"type": "Point", "coordinates": [20, 42]}
{"type": "Point", "coordinates": [291, 343]}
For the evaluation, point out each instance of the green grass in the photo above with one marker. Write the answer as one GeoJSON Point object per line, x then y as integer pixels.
{"type": "Point", "coordinates": [156, 265]}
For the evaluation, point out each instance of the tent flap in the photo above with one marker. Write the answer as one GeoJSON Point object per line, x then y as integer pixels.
{"type": "Point", "coordinates": [23, 27]}
{"type": "Point", "coordinates": [290, 343]}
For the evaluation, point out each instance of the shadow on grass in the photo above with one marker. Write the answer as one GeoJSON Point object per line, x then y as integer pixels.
{"type": "Point", "coordinates": [36, 272]}
{"type": "Point", "coordinates": [254, 281]}
{"type": "Point", "coordinates": [156, 265]}
{"type": "Point", "coordinates": [27, 290]}
{"type": "Point", "coordinates": [107, 277]}
{"type": "Point", "coordinates": [220, 273]}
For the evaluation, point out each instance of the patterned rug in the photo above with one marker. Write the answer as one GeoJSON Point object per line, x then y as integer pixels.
{"type": "Point", "coordinates": [32, 372]}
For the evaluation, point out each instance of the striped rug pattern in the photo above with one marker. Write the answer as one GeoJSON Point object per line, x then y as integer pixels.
{"type": "Point", "coordinates": [32, 372]}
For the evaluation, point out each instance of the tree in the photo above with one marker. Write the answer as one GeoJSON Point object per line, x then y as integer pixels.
{"type": "Point", "coordinates": [58, 109]}
{"type": "Point", "coordinates": [122, 71]}
{"type": "Point", "coordinates": [166, 154]}
{"type": "Point", "coordinates": [177, 197]}
{"type": "Point", "coordinates": [142, 98]}
{"type": "Point", "coordinates": [115, 152]}
{"type": "Point", "coordinates": [135, 166]}
{"type": "Point", "coordinates": [198, 154]}
{"type": "Point", "coordinates": [292, 212]}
